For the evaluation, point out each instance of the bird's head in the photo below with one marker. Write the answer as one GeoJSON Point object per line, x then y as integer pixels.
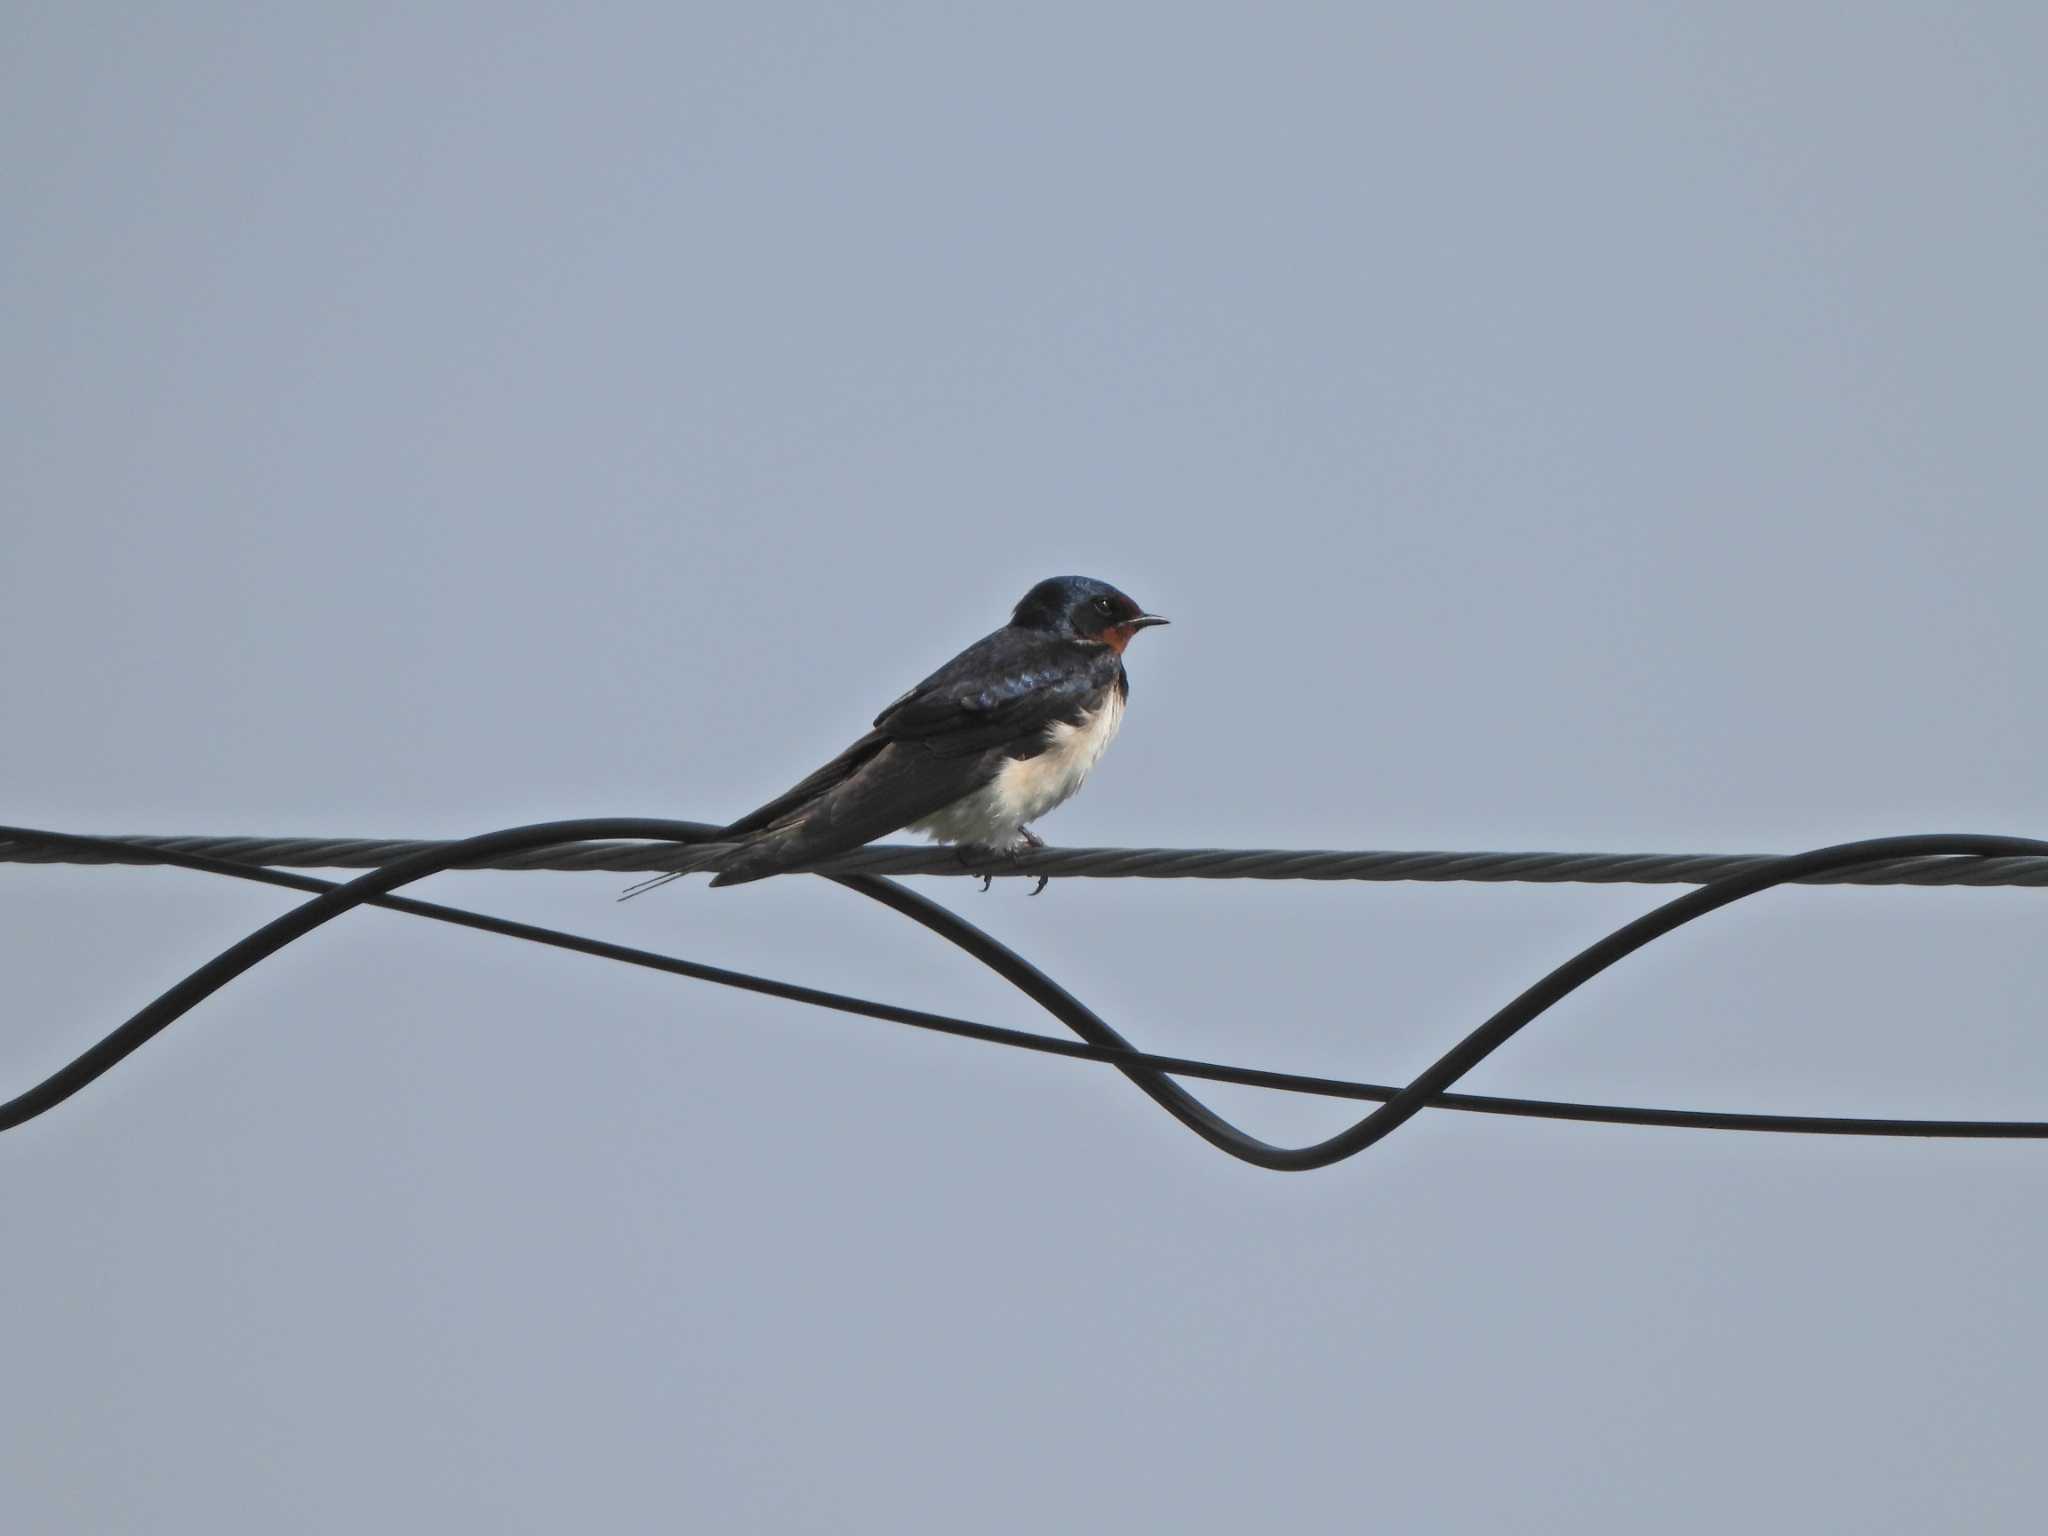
{"type": "Point", "coordinates": [1080, 608]}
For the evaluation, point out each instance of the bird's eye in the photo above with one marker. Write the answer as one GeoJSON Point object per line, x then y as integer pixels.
{"type": "Point", "coordinates": [1104, 604]}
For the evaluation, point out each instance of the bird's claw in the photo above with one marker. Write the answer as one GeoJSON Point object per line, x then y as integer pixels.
{"type": "Point", "coordinates": [968, 855]}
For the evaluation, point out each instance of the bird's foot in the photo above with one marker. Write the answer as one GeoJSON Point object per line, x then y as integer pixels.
{"type": "Point", "coordinates": [1028, 841]}
{"type": "Point", "coordinates": [974, 856]}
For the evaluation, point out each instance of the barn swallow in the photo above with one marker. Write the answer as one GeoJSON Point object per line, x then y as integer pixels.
{"type": "Point", "coordinates": [972, 755]}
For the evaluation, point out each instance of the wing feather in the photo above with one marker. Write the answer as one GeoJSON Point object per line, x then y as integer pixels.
{"type": "Point", "coordinates": [1004, 689]}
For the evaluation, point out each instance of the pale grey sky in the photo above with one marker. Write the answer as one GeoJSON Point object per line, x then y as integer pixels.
{"type": "Point", "coordinates": [1549, 427]}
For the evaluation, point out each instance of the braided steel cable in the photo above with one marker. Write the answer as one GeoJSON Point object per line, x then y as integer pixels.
{"type": "Point", "coordinates": [1147, 1071]}
{"type": "Point", "coordinates": [629, 858]}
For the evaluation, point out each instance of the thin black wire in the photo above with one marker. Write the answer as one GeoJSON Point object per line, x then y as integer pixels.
{"type": "Point", "coordinates": [1102, 1042]}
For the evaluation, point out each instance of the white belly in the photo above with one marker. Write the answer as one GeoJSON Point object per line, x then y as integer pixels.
{"type": "Point", "coordinates": [1025, 789]}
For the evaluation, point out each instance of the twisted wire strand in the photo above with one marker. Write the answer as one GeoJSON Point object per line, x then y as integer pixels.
{"type": "Point", "coordinates": [626, 858]}
{"type": "Point", "coordinates": [1102, 1043]}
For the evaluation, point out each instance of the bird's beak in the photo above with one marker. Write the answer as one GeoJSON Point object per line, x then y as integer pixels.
{"type": "Point", "coordinates": [1145, 621]}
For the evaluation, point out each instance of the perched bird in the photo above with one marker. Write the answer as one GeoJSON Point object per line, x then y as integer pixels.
{"type": "Point", "coordinates": [976, 752]}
